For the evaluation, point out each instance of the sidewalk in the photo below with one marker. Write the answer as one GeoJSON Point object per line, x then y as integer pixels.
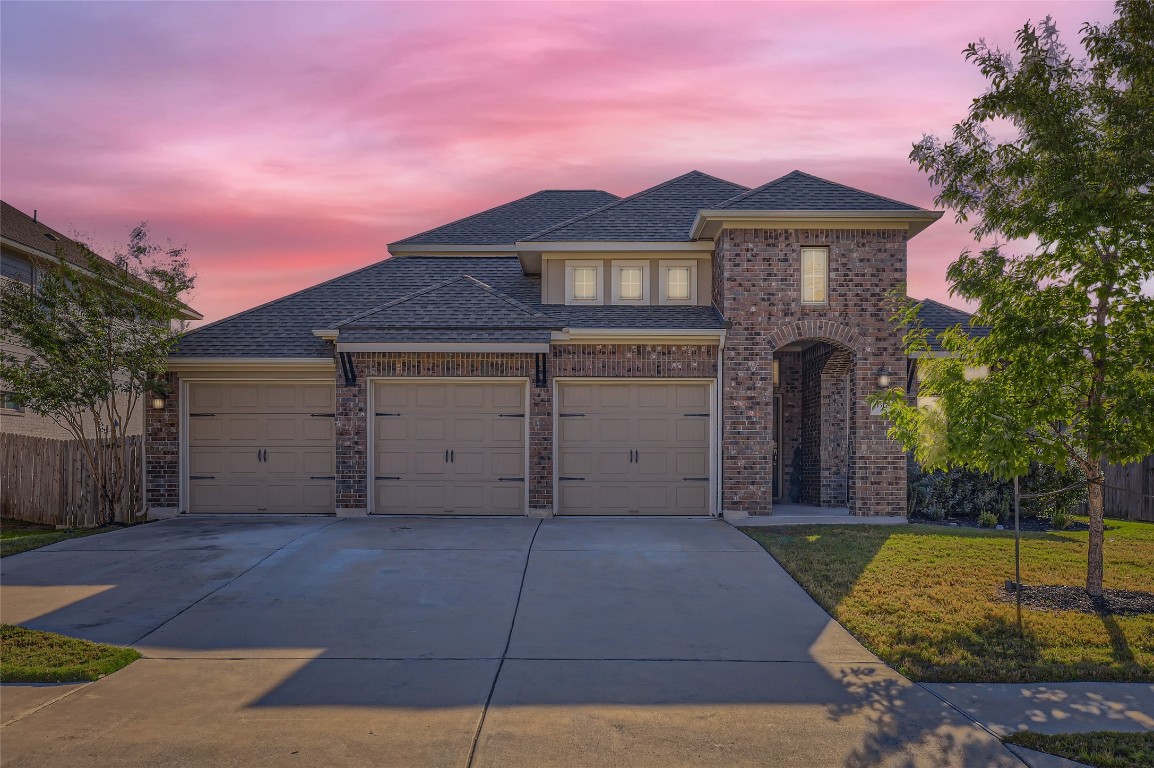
{"type": "Point", "coordinates": [1052, 708]}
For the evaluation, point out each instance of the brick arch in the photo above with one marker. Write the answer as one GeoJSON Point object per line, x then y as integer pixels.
{"type": "Point", "coordinates": [825, 330]}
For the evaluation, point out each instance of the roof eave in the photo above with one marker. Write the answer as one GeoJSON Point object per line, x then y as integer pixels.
{"type": "Point", "coordinates": [708, 223]}
{"type": "Point", "coordinates": [418, 249]}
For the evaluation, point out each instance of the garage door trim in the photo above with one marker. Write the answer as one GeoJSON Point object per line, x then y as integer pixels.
{"type": "Point", "coordinates": [371, 409]}
{"type": "Point", "coordinates": [183, 449]}
{"type": "Point", "coordinates": [714, 464]}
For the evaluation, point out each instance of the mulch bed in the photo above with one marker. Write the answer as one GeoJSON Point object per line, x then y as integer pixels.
{"type": "Point", "coordinates": [1030, 524]}
{"type": "Point", "coordinates": [1045, 597]}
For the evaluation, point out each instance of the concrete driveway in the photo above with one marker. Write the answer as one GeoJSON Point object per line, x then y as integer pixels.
{"type": "Point", "coordinates": [484, 642]}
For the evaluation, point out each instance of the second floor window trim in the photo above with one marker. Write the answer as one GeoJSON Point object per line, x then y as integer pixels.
{"type": "Point", "coordinates": [679, 282]}
{"type": "Point", "coordinates": [630, 282]}
{"type": "Point", "coordinates": [584, 282]}
{"type": "Point", "coordinates": [815, 275]}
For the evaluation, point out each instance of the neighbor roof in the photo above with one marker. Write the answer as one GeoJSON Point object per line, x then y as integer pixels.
{"type": "Point", "coordinates": [284, 328]}
{"type": "Point", "coordinates": [661, 213]}
{"type": "Point", "coordinates": [22, 228]}
{"type": "Point", "coordinates": [797, 191]}
{"type": "Point", "coordinates": [937, 317]}
{"type": "Point", "coordinates": [513, 221]}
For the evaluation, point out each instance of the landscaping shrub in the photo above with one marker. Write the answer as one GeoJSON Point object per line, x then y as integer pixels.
{"type": "Point", "coordinates": [987, 519]}
{"type": "Point", "coordinates": [965, 493]}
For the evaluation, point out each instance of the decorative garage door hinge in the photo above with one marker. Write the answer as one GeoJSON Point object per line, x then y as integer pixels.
{"type": "Point", "coordinates": [387, 477]}
{"type": "Point", "coordinates": [511, 479]}
{"type": "Point", "coordinates": [323, 414]}
{"type": "Point", "coordinates": [695, 479]}
{"type": "Point", "coordinates": [323, 477]}
{"type": "Point", "coordinates": [387, 414]}
{"type": "Point", "coordinates": [569, 415]}
{"type": "Point", "coordinates": [511, 415]}
{"type": "Point", "coordinates": [696, 414]}
{"type": "Point", "coordinates": [202, 477]}
{"type": "Point", "coordinates": [194, 415]}
{"type": "Point", "coordinates": [570, 478]}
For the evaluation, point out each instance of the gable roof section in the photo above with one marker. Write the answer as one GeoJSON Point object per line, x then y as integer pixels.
{"type": "Point", "coordinates": [508, 223]}
{"type": "Point", "coordinates": [797, 191]}
{"type": "Point", "coordinates": [459, 302]}
{"type": "Point", "coordinates": [284, 328]}
{"type": "Point", "coordinates": [937, 317]}
{"type": "Point", "coordinates": [662, 213]}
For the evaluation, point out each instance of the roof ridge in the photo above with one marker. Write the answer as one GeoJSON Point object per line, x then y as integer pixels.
{"type": "Point", "coordinates": [437, 286]}
{"type": "Point", "coordinates": [490, 210]}
{"type": "Point", "coordinates": [798, 173]}
{"type": "Point", "coordinates": [622, 200]}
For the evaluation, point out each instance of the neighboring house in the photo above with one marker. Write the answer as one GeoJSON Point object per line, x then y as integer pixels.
{"type": "Point", "coordinates": [570, 352]}
{"type": "Point", "coordinates": [27, 246]}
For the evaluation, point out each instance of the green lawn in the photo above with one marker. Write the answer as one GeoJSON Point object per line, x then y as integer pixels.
{"type": "Point", "coordinates": [1101, 749]}
{"type": "Point", "coordinates": [17, 536]}
{"type": "Point", "coordinates": [32, 656]}
{"type": "Point", "coordinates": [922, 598]}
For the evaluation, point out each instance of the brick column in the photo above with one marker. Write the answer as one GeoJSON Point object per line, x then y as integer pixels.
{"type": "Point", "coordinates": [162, 452]}
{"type": "Point", "coordinates": [352, 454]}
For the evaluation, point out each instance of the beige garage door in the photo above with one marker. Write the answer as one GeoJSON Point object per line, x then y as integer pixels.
{"type": "Point", "coordinates": [449, 448]}
{"type": "Point", "coordinates": [261, 447]}
{"type": "Point", "coordinates": [633, 448]}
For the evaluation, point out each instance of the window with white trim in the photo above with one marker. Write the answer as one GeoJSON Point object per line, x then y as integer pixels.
{"type": "Point", "coordinates": [9, 402]}
{"type": "Point", "coordinates": [815, 275]}
{"type": "Point", "coordinates": [584, 282]}
{"type": "Point", "coordinates": [631, 282]}
{"type": "Point", "coordinates": [679, 282]}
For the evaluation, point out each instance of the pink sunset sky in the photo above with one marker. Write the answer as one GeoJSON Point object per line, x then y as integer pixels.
{"type": "Point", "coordinates": [285, 144]}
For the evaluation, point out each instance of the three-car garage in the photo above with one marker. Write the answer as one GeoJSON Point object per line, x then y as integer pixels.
{"type": "Point", "coordinates": [452, 446]}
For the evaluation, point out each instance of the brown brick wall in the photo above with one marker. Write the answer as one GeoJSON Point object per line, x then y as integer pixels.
{"type": "Point", "coordinates": [759, 290]}
{"type": "Point", "coordinates": [162, 450]}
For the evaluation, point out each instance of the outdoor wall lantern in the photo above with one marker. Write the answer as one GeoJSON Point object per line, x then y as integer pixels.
{"type": "Point", "coordinates": [884, 377]}
{"type": "Point", "coordinates": [159, 401]}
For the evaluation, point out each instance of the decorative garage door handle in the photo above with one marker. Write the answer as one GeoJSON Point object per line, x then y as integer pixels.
{"type": "Point", "coordinates": [202, 477]}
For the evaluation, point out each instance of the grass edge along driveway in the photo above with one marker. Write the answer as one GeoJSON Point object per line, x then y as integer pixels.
{"type": "Point", "coordinates": [924, 598]}
{"type": "Point", "coordinates": [17, 536]}
{"type": "Point", "coordinates": [33, 656]}
{"type": "Point", "coordinates": [1101, 749]}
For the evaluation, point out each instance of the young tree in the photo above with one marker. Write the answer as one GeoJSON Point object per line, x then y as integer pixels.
{"type": "Point", "coordinates": [1070, 352]}
{"type": "Point", "coordinates": [86, 344]}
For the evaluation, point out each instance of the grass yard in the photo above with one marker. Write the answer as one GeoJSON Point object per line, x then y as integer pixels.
{"type": "Point", "coordinates": [32, 656]}
{"type": "Point", "coordinates": [1101, 749]}
{"type": "Point", "coordinates": [923, 598]}
{"type": "Point", "coordinates": [17, 536]}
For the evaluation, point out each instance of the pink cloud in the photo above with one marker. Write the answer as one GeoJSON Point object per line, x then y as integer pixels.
{"type": "Point", "coordinates": [288, 143]}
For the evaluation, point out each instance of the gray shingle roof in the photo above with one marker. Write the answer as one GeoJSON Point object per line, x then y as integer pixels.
{"type": "Point", "coordinates": [937, 317]}
{"type": "Point", "coordinates": [444, 336]}
{"type": "Point", "coordinates": [283, 328]}
{"type": "Point", "coordinates": [661, 213]}
{"type": "Point", "coordinates": [513, 221]}
{"type": "Point", "coordinates": [459, 302]}
{"type": "Point", "coordinates": [797, 191]}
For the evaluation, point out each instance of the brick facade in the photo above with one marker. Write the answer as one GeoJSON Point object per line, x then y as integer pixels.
{"type": "Point", "coordinates": [757, 286]}
{"type": "Point", "coordinates": [162, 450]}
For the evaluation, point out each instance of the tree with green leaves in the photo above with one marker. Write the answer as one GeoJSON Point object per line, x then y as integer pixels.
{"type": "Point", "coordinates": [1054, 163]}
{"type": "Point", "coordinates": [87, 343]}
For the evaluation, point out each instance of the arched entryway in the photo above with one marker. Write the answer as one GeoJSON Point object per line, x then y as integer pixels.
{"type": "Point", "coordinates": [813, 422]}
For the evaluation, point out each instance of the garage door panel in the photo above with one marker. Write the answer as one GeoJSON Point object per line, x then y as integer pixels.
{"type": "Point", "coordinates": [390, 429]}
{"type": "Point", "coordinates": [508, 430]}
{"type": "Point", "coordinates": [429, 463]}
{"type": "Point", "coordinates": [467, 429]}
{"type": "Point", "coordinates": [431, 395]}
{"type": "Point", "coordinates": [255, 446]}
{"type": "Point", "coordinates": [507, 396]}
{"type": "Point", "coordinates": [508, 463]}
{"type": "Point", "coordinates": [634, 446]}
{"type": "Point", "coordinates": [429, 428]}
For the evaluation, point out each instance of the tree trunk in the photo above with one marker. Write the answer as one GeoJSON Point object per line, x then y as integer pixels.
{"type": "Point", "coordinates": [1094, 563]}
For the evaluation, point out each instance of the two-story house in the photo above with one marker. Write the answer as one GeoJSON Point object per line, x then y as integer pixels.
{"type": "Point", "coordinates": [696, 348]}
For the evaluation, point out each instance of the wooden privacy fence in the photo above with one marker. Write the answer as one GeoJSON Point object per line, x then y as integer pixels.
{"type": "Point", "coordinates": [1128, 490]}
{"type": "Point", "coordinates": [48, 481]}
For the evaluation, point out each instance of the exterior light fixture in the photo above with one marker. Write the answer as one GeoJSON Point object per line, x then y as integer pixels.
{"type": "Point", "coordinates": [884, 377]}
{"type": "Point", "coordinates": [159, 401]}
{"type": "Point", "coordinates": [776, 372]}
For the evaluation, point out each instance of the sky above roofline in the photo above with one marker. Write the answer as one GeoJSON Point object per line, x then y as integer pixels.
{"type": "Point", "coordinates": [287, 143]}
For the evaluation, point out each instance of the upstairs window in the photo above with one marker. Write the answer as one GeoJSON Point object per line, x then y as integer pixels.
{"type": "Point", "coordinates": [17, 269]}
{"type": "Point", "coordinates": [9, 402]}
{"type": "Point", "coordinates": [631, 282]}
{"type": "Point", "coordinates": [679, 282]}
{"type": "Point", "coordinates": [815, 275]}
{"type": "Point", "coordinates": [583, 283]}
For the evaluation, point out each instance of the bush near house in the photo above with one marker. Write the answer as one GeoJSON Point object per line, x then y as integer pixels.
{"type": "Point", "coordinates": [959, 492]}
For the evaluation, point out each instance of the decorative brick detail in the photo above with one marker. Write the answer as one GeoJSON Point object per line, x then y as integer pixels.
{"type": "Point", "coordinates": [162, 449]}
{"type": "Point", "coordinates": [757, 279]}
